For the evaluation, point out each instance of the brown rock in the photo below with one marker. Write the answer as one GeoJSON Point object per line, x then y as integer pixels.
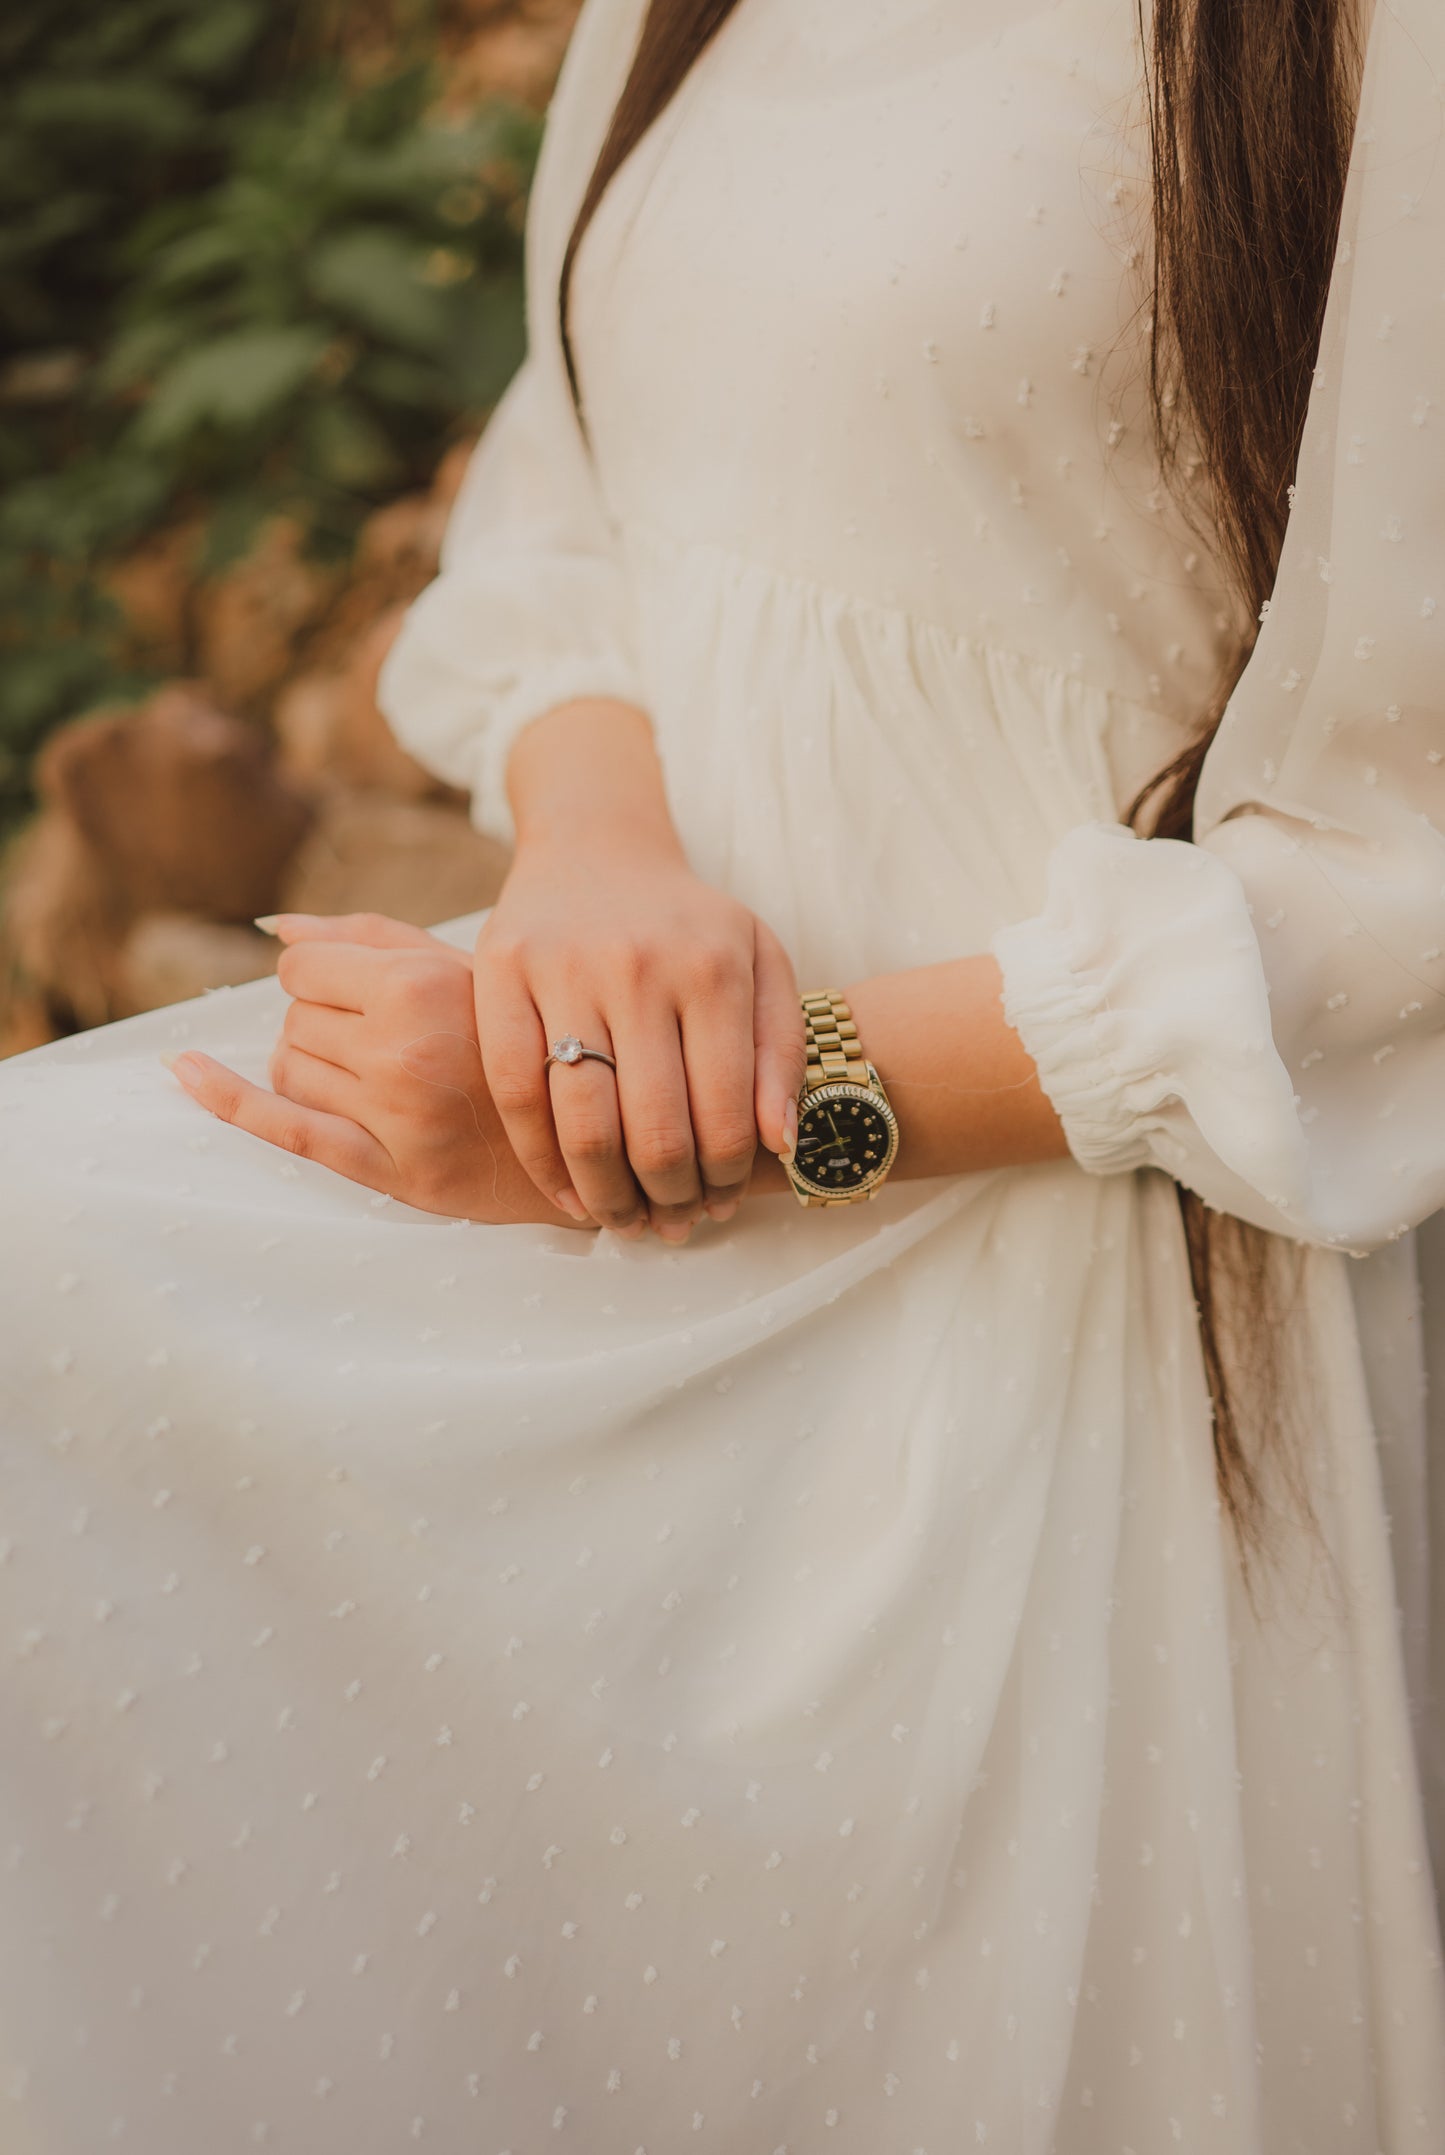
{"type": "Point", "coordinates": [175, 807]}
{"type": "Point", "coordinates": [25, 1022]}
{"type": "Point", "coordinates": [170, 957]}
{"type": "Point", "coordinates": [61, 927]}
{"type": "Point", "coordinates": [181, 806]}
{"type": "Point", "coordinates": [251, 620]}
{"type": "Point", "coordinates": [152, 587]}
{"type": "Point", "coordinates": [329, 726]}
{"type": "Point", "coordinates": [306, 722]}
{"type": "Point", "coordinates": [405, 537]}
{"type": "Point", "coordinates": [417, 861]}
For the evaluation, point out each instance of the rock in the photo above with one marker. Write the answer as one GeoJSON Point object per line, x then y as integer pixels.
{"type": "Point", "coordinates": [181, 806]}
{"type": "Point", "coordinates": [25, 1022]}
{"type": "Point", "coordinates": [152, 587]}
{"type": "Point", "coordinates": [169, 957]}
{"type": "Point", "coordinates": [419, 861]}
{"type": "Point", "coordinates": [175, 807]}
{"type": "Point", "coordinates": [61, 929]}
{"type": "Point", "coordinates": [404, 536]}
{"type": "Point", "coordinates": [251, 620]}
{"type": "Point", "coordinates": [329, 727]}
{"type": "Point", "coordinates": [306, 722]}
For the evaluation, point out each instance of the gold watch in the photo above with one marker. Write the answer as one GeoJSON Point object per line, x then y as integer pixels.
{"type": "Point", "coordinates": [847, 1130]}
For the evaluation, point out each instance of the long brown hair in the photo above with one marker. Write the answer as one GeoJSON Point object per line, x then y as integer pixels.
{"type": "Point", "coordinates": [1250, 108]}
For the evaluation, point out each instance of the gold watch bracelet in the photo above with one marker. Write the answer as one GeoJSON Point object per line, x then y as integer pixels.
{"type": "Point", "coordinates": [834, 1050]}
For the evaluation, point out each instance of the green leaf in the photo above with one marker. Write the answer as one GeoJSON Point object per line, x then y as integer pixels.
{"type": "Point", "coordinates": [234, 381]}
{"type": "Point", "coordinates": [196, 257]}
{"type": "Point", "coordinates": [375, 278]}
{"type": "Point", "coordinates": [347, 447]}
{"type": "Point", "coordinates": [148, 113]}
{"type": "Point", "coordinates": [490, 339]}
{"type": "Point", "coordinates": [212, 44]}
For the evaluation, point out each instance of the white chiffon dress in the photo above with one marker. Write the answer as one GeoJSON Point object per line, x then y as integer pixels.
{"type": "Point", "coordinates": [507, 1691]}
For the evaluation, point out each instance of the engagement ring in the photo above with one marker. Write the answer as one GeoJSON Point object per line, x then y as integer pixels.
{"type": "Point", "coordinates": [569, 1049]}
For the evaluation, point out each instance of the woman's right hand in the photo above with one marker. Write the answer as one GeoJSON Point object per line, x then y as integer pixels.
{"type": "Point", "coordinates": [603, 930]}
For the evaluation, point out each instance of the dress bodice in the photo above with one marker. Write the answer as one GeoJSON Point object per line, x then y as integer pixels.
{"type": "Point", "coordinates": [867, 305]}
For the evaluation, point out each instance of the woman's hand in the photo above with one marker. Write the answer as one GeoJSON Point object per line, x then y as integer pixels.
{"type": "Point", "coordinates": [377, 1073]}
{"type": "Point", "coordinates": [621, 944]}
{"type": "Point", "coordinates": [602, 930]}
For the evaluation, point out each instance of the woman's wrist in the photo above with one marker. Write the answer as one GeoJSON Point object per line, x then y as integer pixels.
{"type": "Point", "coordinates": [586, 776]}
{"type": "Point", "coordinates": [964, 1088]}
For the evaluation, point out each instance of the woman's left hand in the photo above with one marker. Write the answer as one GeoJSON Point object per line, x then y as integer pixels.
{"type": "Point", "coordinates": [377, 1073]}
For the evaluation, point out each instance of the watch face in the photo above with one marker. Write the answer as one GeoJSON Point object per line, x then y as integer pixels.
{"type": "Point", "coordinates": [846, 1140]}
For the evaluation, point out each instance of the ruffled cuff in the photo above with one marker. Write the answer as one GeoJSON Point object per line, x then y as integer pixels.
{"type": "Point", "coordinates": [542, 688]}
{"type": "Point", "coordinates": [458, 715]}
{"type": "Point", "coordinates": [1140, 994]}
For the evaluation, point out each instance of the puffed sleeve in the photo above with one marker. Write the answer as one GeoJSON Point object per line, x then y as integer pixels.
{"type": "Point", "coordinates": [1262, 1013]}
{"type": "Point", "coordinates": [531, 605]}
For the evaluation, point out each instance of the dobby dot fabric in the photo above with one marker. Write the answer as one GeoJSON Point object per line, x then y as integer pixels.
{"type": "Point", "coordinates": [503, 1691]}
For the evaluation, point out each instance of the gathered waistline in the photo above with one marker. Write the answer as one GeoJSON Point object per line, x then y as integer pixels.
{"type": "Point", "coordinates": [975, 645]}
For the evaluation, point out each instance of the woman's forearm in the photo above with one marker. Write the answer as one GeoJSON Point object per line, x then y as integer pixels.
{"type": "Point", "coordinates": [588, 771]}
{"type": "Point", "coordinates": [965, 1089]}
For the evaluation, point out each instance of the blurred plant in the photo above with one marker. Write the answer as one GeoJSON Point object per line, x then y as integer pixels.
{"type": "Point", "coordinates": [241, 271]}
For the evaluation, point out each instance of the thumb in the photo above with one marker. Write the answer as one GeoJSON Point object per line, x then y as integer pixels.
{"type": "Point", "coordinates": [780, 1053]}
{"type": "Point", "coordinates": [376, 931]}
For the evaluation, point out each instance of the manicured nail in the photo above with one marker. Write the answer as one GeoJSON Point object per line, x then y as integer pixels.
{"type": "Point", "coordinates": [568, 1201]}
{"type": "Point", "coordinates": [675, 1230]}
{"type": "Point", "coordinates": [184, 1067]}
{"type": "Point", "coordinates": [266, 922]}
{"type": "Point", "coordinates": [722, 1208]}
{"type": "Point", "coordinates": [632, 1229]}
{"type": "Point", "coordinates": [790, 1131]}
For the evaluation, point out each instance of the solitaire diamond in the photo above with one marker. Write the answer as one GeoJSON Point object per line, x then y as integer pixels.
{"type": "Point", "coordinates": [568, 1049]}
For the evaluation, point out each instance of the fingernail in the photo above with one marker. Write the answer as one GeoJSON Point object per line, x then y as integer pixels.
{"type": "Point", "coordinates": [568, 1201]}
{"type": "Point", "coordinates": [675, 1230]}
{"type": "Point", "coordinates": [632, 1229]}
{"type": "Point", "coordinates": [790, 1131]}
{"type": "Point", "coordinates": [722, 1208]}
{"type": "Point", "coordinates": [266, 922]}
{"type": "Point", "coordinates": [185, 1067]}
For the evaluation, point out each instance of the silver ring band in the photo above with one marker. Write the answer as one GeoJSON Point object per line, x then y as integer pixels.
{"type": "Point", "coordinates": [569, 1049]}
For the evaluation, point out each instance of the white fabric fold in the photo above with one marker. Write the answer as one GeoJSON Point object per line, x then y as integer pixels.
{"type": "Point", "coordinates": [1140, 987]}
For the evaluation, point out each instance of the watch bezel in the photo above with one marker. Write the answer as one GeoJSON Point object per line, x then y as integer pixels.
{"type": "Point", "coordinates": [847, 1089]}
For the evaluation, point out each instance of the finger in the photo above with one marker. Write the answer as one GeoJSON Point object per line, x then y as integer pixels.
{"type": "Point", "coordinates": [514, 1049]}
{"type": "Point", "coordinates": [717, 1040]}
{"type": "Point", "coordinates": [588, 1118]}
{"type": "Point", "coordinates": [331, 1140]}
{"type": "Point", "coordinates": [345, 976]}
{"type": "Point", "coordinates": [656, 1118]}
{"type": "Point", "coordinates": [375, 931]}
{"type": "Point", "coordinates": [310, 1082]}
{"type": "Point", "coordinates": [336, 1036]}
{"type": "Point", "coordinates": [780, 1053]}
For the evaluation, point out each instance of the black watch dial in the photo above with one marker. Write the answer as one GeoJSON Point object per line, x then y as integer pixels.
{"type": "Point", "coordinates": [845, 1140]}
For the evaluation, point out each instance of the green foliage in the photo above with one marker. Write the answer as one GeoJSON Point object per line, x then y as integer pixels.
{"type": "Point", "coordinates": [237, 275]}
